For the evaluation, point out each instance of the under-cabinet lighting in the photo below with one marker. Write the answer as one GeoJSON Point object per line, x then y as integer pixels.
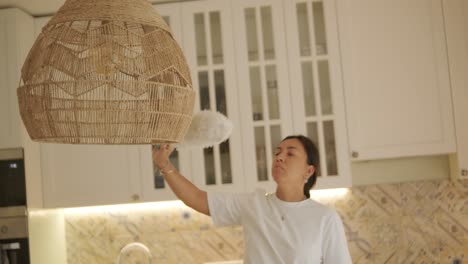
{"type": "Point", "coordinates": [329, 193]}
{"type": "Point", "coordinates": [139, 207]}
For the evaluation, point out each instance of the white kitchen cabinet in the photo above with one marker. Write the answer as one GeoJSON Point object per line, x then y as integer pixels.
{"type": "Point", "coordinates": [456, 23]}
{"type": "Point", "coordinates": [289, 80]}
{"type": "Point", "coordinates": [152, 183]}
{"type": "Point", "coordinates": [87, 175]}
{"type": "Point", "coordinates": [396, 78]}
{"type": "Point", "coordinates": [316, 86]}
{"type": "Point", "coordinates": [209, 48]}
{"type": "Point", "coordinates": [16, 37]}
{"type": "Point", "coordinates": [263, 86]}
{"type": "Point", "coordinates": [84, 175]}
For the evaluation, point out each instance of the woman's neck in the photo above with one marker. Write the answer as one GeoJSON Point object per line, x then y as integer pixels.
{"type": "Point", "coordinates": [289, 195]}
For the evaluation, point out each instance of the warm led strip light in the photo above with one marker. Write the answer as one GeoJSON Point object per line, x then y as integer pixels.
{"type": "Point", "coordinates": [161, 206]}
{"type": "Point", "coordinates": [329, 193]}
{"type": "Point", "coordinates": [140, 207]}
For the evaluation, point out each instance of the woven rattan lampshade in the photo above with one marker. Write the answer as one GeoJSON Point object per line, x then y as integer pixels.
{"type": "Point", "coordinates": [106, 72]}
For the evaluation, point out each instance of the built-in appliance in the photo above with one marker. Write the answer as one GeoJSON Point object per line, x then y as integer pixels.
{"type": "Point", "coordinates": [12, 178]}
{"type": "Point", "coordinates": [14, 245]}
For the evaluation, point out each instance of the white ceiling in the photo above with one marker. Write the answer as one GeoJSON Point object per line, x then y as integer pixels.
{"type": "Point", "coordinates": [45, 7]}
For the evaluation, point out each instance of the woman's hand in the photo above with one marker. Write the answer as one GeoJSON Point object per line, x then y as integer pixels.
{"type": "Point", "coordinates": [161, 155]}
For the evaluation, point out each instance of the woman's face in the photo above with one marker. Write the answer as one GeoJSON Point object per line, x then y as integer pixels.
{"type": "Point", "coordinates": [290, 163]}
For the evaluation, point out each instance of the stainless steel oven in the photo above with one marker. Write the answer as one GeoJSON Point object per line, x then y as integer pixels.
{"type": "Point", "coordinates": [14, 244]}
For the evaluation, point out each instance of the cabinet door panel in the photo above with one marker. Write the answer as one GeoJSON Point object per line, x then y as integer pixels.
{"type": "Point", "coordinates": [208, 42]}
{"type": "Point", "coordinates": [86, 175]}
{"type": "Point", "coordinates": [316, 86]}
{"type": "Point", "coordinates": [263, 86]}
{"type": "Point", "coordinates": [456, 22]}
{"type": "Point", "coordinates": [396, 78]}
{"type": "Point", "coordinates": [152, 183]}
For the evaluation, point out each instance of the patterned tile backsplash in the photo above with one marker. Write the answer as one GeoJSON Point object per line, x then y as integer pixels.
{"type": "Point", "coordinates": [415, 222]}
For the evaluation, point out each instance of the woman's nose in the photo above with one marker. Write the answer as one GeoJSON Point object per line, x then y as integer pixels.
{"type": "Point", "coordinates": [279, 158]}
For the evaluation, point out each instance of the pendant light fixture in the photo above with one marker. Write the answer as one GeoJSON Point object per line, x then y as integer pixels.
{"type": "Point", "coordinates": [106, 72]}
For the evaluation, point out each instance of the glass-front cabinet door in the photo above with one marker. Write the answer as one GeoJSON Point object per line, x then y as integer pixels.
{"type": "Point", "coordinates": [316, 85]}
{"type": "Point", "coordinates": [263, 86]}
{"type": "Point", "coordinates": [153, 186]}
{"type": "Point", "coordinates": [208, 42]}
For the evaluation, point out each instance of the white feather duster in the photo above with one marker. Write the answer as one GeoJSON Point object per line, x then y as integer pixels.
{"type": "Point", "coordinates": [208, 128]}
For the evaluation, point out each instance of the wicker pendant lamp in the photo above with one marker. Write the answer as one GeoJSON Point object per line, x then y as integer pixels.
{"type": "Point", "coordinates": [106, 72]}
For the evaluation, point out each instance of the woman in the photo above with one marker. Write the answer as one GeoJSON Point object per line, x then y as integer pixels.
{"type": "Point", "coordinates": [281, 227]}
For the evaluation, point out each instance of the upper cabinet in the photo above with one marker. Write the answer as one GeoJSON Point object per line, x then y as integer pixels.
{"type": "Point", "coordinates": [456, 22]}
{"type": "Point", "coordinates": [84, 175]}
{"type": "Point", "coordinates": [152, 183]}
{"type": "Point", "coordinates": [367, 79]}
{"type": "Point", "coordinates": [208, 44]}
{"type": "Point", "coordinates": [290, 83]}
{"type": "Point", "coordinates": [243, 67]}
{"type": "Point", "coordinates": [316, 85]}
{"type": "Point", "coordinates": [16, 38]}
{"type": "Point", "coordinates": [396, 78]}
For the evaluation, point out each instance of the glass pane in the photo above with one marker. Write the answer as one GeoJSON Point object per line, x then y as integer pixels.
{"type": "Point", "coordinates": [216, 39]}
{"type": "Point", "coordinates": [319, 26]}
{"type": "Point", "coordinates": [210, 177]}
{"type": "Point", "coordinates": [252, 34]}
{"type": "Point", "coordinates": [325, 91]}
{"type": "Point", "coordinates": [312, 133]}
{"type": "Point", "coordinates": [303, 28]}
{"type": "Point", "coordinates": [167, 20]}
{"type": "Point", "coordinates": [220, 92]}
{"type": "Point", "coordinates": [159, 182]}
{"type": "Point", "coordinates": [256, 93]}
{"type": "Point", "coordinates": [330, 148]}
{"type": "Point", "coordinates": [308, 87]}
{"type": "Point", "coordinates": [226, 174]}
{"type": "Point", "coordinates": [204, 90]}
{"type": "Point", "coordinates": [275, 135]}
{"type": "Point", "coordinates": [272, 88]}
{"type": "Point", "coordinates": [260, 150]}
{"type": "Point", "coordinates": [267, 29]}
{"type": "Point", "coordinates": [200, 39]}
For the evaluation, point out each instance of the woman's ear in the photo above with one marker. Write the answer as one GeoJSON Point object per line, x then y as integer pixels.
{"type": "Point", "coordinates": [310, 170]}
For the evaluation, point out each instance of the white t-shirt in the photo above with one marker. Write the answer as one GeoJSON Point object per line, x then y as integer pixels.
{"type": "Point", "coordinates": [275, 231]}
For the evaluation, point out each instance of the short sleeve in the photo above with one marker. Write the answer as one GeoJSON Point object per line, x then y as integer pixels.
{"type": "Point", "coordinates": [226, 208]}
{"type": "Point", "coordinates": [335, 246]}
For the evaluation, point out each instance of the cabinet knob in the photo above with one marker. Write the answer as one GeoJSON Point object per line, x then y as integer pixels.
{"type": "Point", "coordinates": [135, 197]}
{"type": "Point", "coordinates": [355, 154]}
{"type": "Point", "coordinates": [464, 172]}
{"type": "Point", "coordinates": [4, 229]}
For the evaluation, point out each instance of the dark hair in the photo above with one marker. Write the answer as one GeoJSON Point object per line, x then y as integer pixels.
{"type": "Point", "coordinates": [312, 159]}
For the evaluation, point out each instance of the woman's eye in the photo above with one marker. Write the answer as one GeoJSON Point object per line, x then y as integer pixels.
{"type": "Point", "coordinates": [290, 154]}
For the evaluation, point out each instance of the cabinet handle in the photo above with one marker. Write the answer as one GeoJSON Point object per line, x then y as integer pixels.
{"type": "Point", "coordinates": [464, 172]}
{"type": "Point", "coordinates": [135, 197]}
{"type": "Point", "coordinates": [355, 154]}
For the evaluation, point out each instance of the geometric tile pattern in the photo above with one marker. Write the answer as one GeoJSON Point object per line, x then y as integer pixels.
{"type": "Point", "coordinates": [414, 222]}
